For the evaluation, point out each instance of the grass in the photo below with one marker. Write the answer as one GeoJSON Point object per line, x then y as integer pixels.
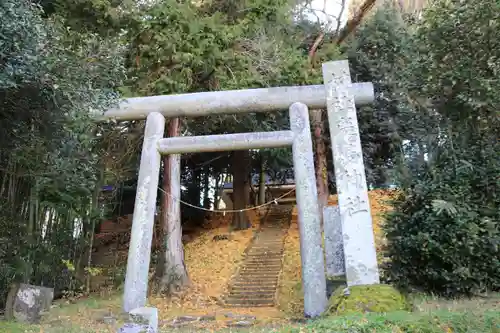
{"type": "Point", "coordinates": [430, 315]}
{"type": "Point", "coordinates": [436, 322]}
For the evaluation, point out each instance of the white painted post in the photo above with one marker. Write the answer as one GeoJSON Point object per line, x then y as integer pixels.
{"type": "Point", "coordinates": [359, 245]}
{"type": "Point", "coordinates": [311, 251]}
{"type": "Point", "coordinates": [136, 279]}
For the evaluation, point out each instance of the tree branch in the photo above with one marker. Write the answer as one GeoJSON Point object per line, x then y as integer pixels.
{"type": "Point", "coordinates": [353, 23]}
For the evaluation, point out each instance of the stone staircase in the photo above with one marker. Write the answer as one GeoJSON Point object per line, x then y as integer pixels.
{"type": "Point", "coordinates": [256, 282]}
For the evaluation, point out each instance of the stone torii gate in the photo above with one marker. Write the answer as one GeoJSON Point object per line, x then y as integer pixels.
{"type": "Point", "coordinates": [339, 96]}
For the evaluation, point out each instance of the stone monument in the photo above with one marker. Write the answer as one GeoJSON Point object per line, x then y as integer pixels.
{"type": "Point", "coordinates": [26, 303]}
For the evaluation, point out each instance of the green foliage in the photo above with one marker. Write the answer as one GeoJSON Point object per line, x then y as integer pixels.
{"type": "Point", "coordinates": [51, 80]}
{"type": "Point", "coordinates": [450, 66]}
{"type": "Point", "coordinates": [362, 299]}
{"type": "Point", "coordinates": [444, 235]}
{"type": "Point", "coordinates": [378, 52]}
{"type": "Point", "coordinates": [104, 17]}
{"type": "Point", "coordinates": [181, 47]}
{"type": "Point", "coordinates": [436, 322]}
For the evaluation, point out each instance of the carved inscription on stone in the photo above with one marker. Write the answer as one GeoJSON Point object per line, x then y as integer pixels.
{"type": "Point", "coordinates": [358, 241]}
{"type": "Point", "coordinates": [334, 244]}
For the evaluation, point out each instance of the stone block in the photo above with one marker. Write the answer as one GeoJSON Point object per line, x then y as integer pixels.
{"type": "Point", "coordinates": [334, 244]}
{"type": "Point", "coordinates": [26, 303]}
{"type": "Point", "coordinates": [142, 320]}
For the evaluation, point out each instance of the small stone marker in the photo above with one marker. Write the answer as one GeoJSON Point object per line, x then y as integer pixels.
{"type": "Point", "coordinates": [142, 320]}
{"type": "Point", "coordinates": [26, 303]}
{"type": "Point", "coordinates": [334, 244]}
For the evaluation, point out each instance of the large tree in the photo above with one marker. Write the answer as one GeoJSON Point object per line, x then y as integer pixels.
{"type": "Point", "coordinates": [51, 80]}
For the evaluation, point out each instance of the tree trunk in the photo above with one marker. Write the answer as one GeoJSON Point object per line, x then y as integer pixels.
{"type": "Point", "coordinates": [206, 189]}
{"type": "Point", "coordinates": [355, 21]}
{"type": "Point", "coordinates": [93, 208]}
{"type": "Point", "coordinates": [241, 188]}
{"type": "Point", "coordinates": [30, 237]}
{"type": "Point", "coordinates": [320, 158]}
{"type": "Point", "coordinates": [216, 191]}
{"type": "Point", "coordinates": [171, 269]}
{"type": "Point", "coordinates": [262, 181]}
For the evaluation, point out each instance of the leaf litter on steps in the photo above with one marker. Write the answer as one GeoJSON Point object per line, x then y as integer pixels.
{"type": "Point", "coordinates": [211, 264]}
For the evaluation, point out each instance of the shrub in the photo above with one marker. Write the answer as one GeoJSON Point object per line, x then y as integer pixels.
{"type": "Point", "coordinates": [443, 236]}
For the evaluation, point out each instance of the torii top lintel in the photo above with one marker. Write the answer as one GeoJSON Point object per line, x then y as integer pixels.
{"type": "Point", "coordinates": [231, 101]}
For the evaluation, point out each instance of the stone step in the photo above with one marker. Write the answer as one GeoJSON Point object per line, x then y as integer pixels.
{"type": "Point", "coordinates": [265, 275]}
{"type": "Point", "coordinates": [261, 277]}
{"type": "Point", "coordinates": [271, 233]}
{"type": "Point", "coordinates": [262, 251]}
{"type": "Point", "coordinates": [260, 259]}
{"type": "Point", "coordinates": [249, 305]}
{"type": "Point", "coordinates": [236, 302]}
{"type": "Point", "coordinates": [257, 279]}
{"type": "Point", "coordinates": [260, 268]}
{"type": "Point", "coordinates": [263, 280]}
{"type": "Point", "coordinates": [265, 267]}
{"type": "Point", "coordinates": [257, 263]}
{"type": "Point", "coordinates": [273, 262]}
{"type": "Point", "coordinates": [264, 254]}
{"type": "Point", "coordinates": [263, 260]}
{"type": "Point", "coordinates": [258, 283]}
{"type": "Point", "coordinates": [252, 270]}
{"type": "Point", "coordinates": [268, 242]}
{"type": "Point", "coordinates": [250, 298]}
{"type": "Point", "coordinates": [255, 282]}
{"type": "Point", "coordinates": [253, 288]}
{"type": "Point", "coordinates": [252, 295]}
{"type": "Point", "coordinates": [259, 274]}
{"type": "Point", "coordinates": [271, 250]}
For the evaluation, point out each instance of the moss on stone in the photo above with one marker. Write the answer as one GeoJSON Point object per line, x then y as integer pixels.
{"type": "Point", "coordinates": [379, 298]}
